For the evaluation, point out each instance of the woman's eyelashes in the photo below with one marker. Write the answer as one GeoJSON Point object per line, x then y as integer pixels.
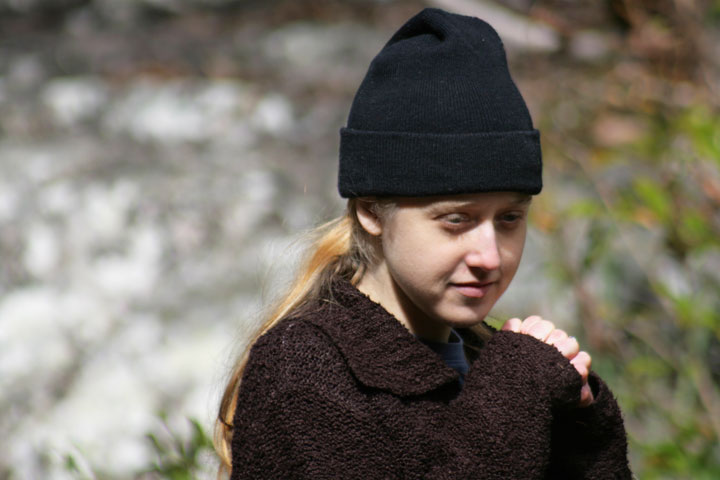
{"type": "Point", "coordinates": [457, 222]}
{"type": "Point", "coordinates": [511, 220]}
{"type": "Point", "coordinates": [460, 221]}
{"type": "Point", "coordinates": [456, 219]}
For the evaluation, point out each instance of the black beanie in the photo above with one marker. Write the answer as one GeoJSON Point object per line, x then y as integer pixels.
{"type": "Point", "coordinates": [438, 114]}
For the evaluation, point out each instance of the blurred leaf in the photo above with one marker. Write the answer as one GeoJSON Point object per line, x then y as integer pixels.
{"type": "Point", "coordinates": [597, 243]}
{"type": "Point", "coordinates": [178, 458]}
{"type": "Point", "coordinates": [703, 127]}
{"type": "Point", "coordinates": [654, 197]}
{"type": "Point", "coordinates": [648, 366]}
{"type": "Point", "coordinates": [695, 230]}
{"type": "Point", "coordinates": [690, 310]}
{"type": "Point", "coordinates": [586, 208]}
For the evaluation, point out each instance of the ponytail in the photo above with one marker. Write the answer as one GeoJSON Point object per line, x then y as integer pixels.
{"type": "Point", "coordinates": [340, 249]}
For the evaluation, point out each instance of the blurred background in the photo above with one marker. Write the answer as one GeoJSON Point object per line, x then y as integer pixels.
{"type": "Point", "coordinates": [159, 159]}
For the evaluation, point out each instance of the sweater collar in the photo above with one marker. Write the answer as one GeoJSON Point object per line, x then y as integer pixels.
{"type": "Point", "coordinates": [379, 350]}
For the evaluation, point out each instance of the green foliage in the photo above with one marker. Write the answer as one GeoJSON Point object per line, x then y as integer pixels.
{"type": "Point", "coordinates": [654, 302]}
{"type": "Point", "coordinates": [187, 456]}
{"type": "Point", "coordinates": [74, 467]}
{"type": "Point", "coordinates": [703, 127]}
{"type": "Point", "coordinates": [179, 458]}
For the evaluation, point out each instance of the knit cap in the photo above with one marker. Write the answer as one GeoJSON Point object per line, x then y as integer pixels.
{"type": "Point", "coordinates": [438, 114]}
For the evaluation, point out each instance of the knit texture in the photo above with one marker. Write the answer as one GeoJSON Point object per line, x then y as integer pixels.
{"type": "Point", "coordinates": [345, 391]}
{"type": "Point", "coordinates": [438, 113]}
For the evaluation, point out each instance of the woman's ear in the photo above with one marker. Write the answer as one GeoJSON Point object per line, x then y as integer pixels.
{"type": "Point", "coordinates": [368, 218]}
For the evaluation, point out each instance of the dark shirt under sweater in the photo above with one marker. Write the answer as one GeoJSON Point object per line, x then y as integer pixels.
{"type": "Point", "coordinates": [451, 352]}
{"type": "Point", "coordinates": [343, 390]}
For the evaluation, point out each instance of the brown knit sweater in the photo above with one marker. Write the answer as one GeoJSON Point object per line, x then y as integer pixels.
{"type": "Point", "coordinates": [346, 392]}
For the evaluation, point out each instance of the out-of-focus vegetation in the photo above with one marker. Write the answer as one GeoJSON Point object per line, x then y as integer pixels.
{"type": "Point", "coordinates": [627, 97]}
{"type": "Point", "coordinates": [633, 143]}
{"type": "Point", "coordinates": [639, 248]}
{"type": "Point", "coordinates": [180, 458]}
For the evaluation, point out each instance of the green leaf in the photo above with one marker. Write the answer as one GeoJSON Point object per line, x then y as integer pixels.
{"type": "Point", "coordinates": [654, 197]}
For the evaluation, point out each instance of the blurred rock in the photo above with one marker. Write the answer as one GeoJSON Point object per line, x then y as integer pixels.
{"type": "Point", "coordinates": [611, 130]}
{"type": "Point", "coordinates": [178, 111]}
{"type": "Point", "coordinates": [73, 100]}
{"type": "Point", "coordinates": [517, 31]}
{"type": "Point", "coordinates": [590, 45]}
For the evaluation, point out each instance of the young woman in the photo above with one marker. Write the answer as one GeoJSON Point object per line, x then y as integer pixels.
{"type": "Point", "coordinates": [377, 363]}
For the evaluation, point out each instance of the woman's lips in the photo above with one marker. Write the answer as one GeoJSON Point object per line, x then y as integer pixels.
{"type": "Point", "coordinates": [474, 289]}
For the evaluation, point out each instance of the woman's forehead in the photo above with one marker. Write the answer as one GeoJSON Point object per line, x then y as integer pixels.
{"type": "Point", "coordinates": [514, 198]}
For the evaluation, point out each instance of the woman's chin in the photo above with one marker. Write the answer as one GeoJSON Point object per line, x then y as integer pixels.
{"type": "Point", "coordinates": [465, 319]}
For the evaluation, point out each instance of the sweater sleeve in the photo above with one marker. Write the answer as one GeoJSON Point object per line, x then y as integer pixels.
{"type": "Point", "coordinates": [590, 443]}
{"type": "Point", "coordinates": [530, 391]}
{"type": "Point", "coordinates": [295, 418]}
{"type": "Point", "coordinates": [260, 446]}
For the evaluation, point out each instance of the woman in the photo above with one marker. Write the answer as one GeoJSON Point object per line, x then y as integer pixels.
{"type": "Point", "coordinates": [377, 363]}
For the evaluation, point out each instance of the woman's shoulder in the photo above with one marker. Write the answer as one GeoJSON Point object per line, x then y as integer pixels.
{"type": "Point", "coordinates": [292, 335]}
{"type": "Point", "coordinates": [294, 350]}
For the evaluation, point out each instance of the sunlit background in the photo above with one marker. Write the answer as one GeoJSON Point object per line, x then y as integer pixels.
{"type": "Point", "coordinates": [159, 158]}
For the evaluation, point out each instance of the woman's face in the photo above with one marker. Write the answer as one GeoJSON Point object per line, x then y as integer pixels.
{"type": "Point", "coordinates": [446, 260]}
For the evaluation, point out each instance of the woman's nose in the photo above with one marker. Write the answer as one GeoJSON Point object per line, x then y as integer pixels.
{"type": "Point", "coordinates": [484, 252]}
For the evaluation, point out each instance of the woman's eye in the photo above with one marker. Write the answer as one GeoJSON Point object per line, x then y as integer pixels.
{"type": "Point", "coordinates": [511, 218]}
{"type": "Point", "coordinates": [456, 218]}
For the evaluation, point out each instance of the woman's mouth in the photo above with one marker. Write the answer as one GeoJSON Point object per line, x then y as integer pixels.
{"type": "Point", "coordinates": [473, 289]}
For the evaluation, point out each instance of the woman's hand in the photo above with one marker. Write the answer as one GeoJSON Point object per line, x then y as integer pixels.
{"type": "Point", "coordinates": [545, 331]}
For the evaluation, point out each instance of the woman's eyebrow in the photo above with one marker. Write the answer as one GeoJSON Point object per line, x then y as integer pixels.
{"type": "Point", "coordinates": [520, 200]}
{"type": "Point", "coordinates": [523, 199]}
{"type": "Point", "coordinates": [449, 204]}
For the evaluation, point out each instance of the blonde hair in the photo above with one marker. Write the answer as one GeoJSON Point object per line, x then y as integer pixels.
{"type": "Point", "coordinates": [340, 248]}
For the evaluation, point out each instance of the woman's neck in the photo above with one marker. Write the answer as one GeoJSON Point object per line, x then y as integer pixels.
{"type": "Point", "coordinates": [378, 284]}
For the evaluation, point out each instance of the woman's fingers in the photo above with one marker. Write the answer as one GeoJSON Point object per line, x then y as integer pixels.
{"type": "Point", "coordinates": [582, 362]}
{"type": "Point", "coordinates": [536, 327]}
{"type": "Point", "coordinates": [512, 325]}
{"type": "Point", "coordinates": [541, 329]}
{"type": "Point", "coordinates": [545, 331]}
{"type": "Point", "coordinates": [568, 346]}
{"type": "Point", "coordinates": [556, 336]}
{"type": "Point", "coordinates": [586, 396]}
{"type": "Point", "coordinates": [529, 322]}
